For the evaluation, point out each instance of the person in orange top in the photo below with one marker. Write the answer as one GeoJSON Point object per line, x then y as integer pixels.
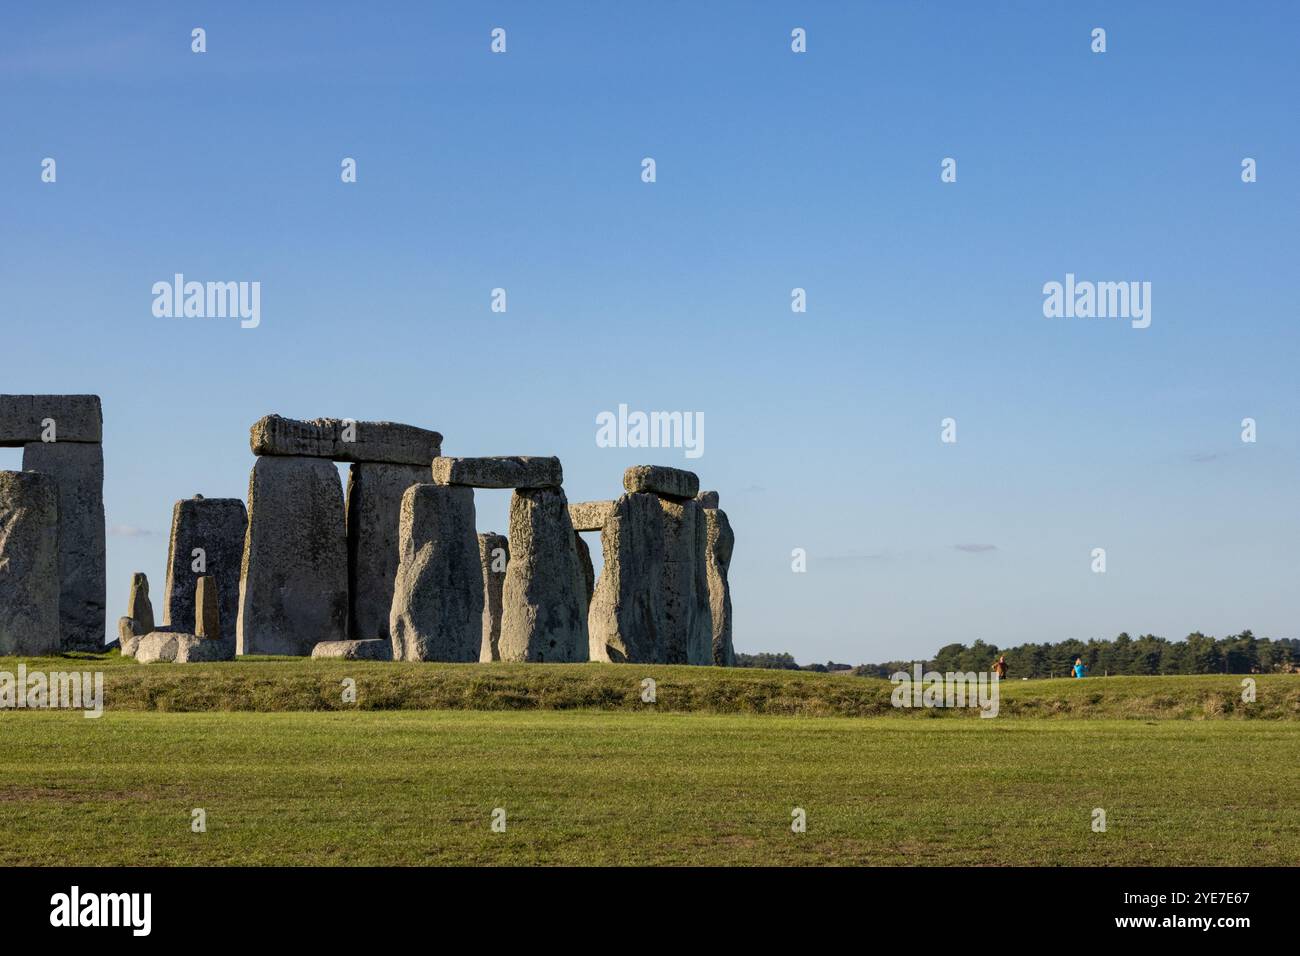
{"type": "Point", "coordinates": [1000, 667]}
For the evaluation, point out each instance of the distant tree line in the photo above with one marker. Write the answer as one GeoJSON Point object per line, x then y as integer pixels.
{"type": "Point", "coordinates": [1242, 653]}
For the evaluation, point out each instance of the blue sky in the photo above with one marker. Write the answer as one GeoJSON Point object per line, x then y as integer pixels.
{"type": "Point", "coordinates": [775, 170]}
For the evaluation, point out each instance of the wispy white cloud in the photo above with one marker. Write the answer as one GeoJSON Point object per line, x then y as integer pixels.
{"type": "Point", "coordinates": [129, 531]}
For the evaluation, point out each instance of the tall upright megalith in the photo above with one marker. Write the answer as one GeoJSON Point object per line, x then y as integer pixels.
{"type": "Point", "coordinates": [293, 590]}
{"type": "Point", "coordinates": [688, 630]}
{"type": "Point", "coordinates": [720, 542]}
{"type": "Point", "coordinates": [625, 620]}
{"type": "Point", "coordinates": [437, 612]}
{"type": "Point", "coordinates": [494, 556]}
{"type": "Point", "coordinates": [61, 436]}
{"type": "Point", "coordinates": [374, 508]}
{"type": "Point", "coordinates": [78, 469]}
{"type": "Point", "coordinates": [544, 606]}
{"type": "Point", "coordinates": [207, 538]}
{"type": "Point", "coordinates": [29, 564]}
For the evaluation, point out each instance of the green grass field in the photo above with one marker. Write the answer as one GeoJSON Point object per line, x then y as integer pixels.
{"type": "Point", "coordinates": [587, 774]}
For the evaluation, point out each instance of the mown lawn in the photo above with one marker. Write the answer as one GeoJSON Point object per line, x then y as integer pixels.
{"type": "Point", "coordinates": [583, 787]}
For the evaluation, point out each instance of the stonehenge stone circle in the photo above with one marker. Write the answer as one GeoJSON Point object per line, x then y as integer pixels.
{"type": "Point", "coordinates": [343, 440]}
{"type": "Point", "coordinates": [720, 541]}
{"type": "Point", "coordinates": [626, 617]}
{"type": "Point", "coordinates": [29, 564]}
{"type": "Point", "coordinates": [368, 650]}
{"type": "Point", "coordinates": [661, 480]}
{"type": "Point", "coordinates": [494, 556]}
{"type": "Point", "coordinates": [590, 515]}
{"type": "Point", "coordinates": [437, 612]}
{"type": "Point", "coordinates": [707, 499]}
{"type": "Point", "coordinates": [293, 590]}
{"type": "Point", "coordinates": [78, 470]}
{"type": "Point", "coordinates": [374, 508]}
{"type": "Point", "coordinates": [543, 616]}
{"type": "Point", "coordinates": [504, 471]}
{"type": "Point", "coordinates": [207, 609]}
{"type": "Point", "coordinates": [207, 538]}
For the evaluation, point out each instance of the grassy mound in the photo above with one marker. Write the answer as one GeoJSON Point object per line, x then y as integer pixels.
{"type": "Point", "coordinates": [295, 684]}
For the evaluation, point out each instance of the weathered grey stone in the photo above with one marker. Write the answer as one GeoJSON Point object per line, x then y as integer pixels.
{"type": "Point", "coordinates": [543, 614]}
{"type": "Point", "coordinates": [207, 612]}
{"type": "Point", "coordinates": [383, 442]}
{"type": "Point", "coordinates": [626, 617]}
{"type": "Point", "coordinates": [437, 612]}
{"type": "Point", "coordinates": [374, 513]}
{"type": "Point", "coordinates": [588, 570]}
{"type": "Point", "coordinates": [720, 542]}
{"type": "Point", "coordinates": [503, 471]}
{"type": "Point", "coordinates": [50, 418]}
{"type": "Point", "coordinates": [207, 538]}
{"type": "Point", "coordinates": [661, 480]}
{"type": "Point", "coordinates": [707, 499]}
{"type": "Point", "coordinates": [193, 649]}
{"type": "Point", "coordinates": [688, 626]}
{"type": "Point", "coordinates": [589, 515]}
{"type": "Point", "coordinates": [494, 556]}
{"type": "Point", "coordinates": [129, 633]}
{"type": "Point", "coordinates": [293, 589]}
{"type": "Point", "coordinates": [138, 606]}
{"type": "Point", "coordinates": [367, 650]}
{"type": "Point", "coordinates": [29, 564]}
{"type": "Point", "coordinates": [156, 647]}
{"type": "Point", "coordinates": [78, 469]}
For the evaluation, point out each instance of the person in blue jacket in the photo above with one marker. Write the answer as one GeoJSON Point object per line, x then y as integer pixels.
{"type": "Point", "coordinates": [1080, 669]}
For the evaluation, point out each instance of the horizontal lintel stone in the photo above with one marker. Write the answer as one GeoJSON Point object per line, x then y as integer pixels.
{"type": "Point", "coordinates": [33, 418]}
{"type": "Point", "coordinates": [341, 439]}
{"type": "Point", "coordinates": [661, 480]}
{"type": "Point", "coordinates": [503, 471]}
{"type": "Point", "coordinates": [589, 515]}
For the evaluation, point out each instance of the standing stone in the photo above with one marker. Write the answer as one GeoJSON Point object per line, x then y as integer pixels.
{"type": "Point", "coordinates": [29, 564]}
{"type": "Point", "coordinates": [626, 618]}
{"type": "Point", "coordinates": [340, 439]}
{"type": "Point", "coordinates": [374, 511]}
{"type": "Point", "coordinates": [78, 470]}
{"type": "Point", "coordinates": [720, 541]}
{"type": "Point", "coordinates": [543, 613]}
{"type": "Point", "coordinates": [707, 499]}
{"type": "Point", "coordinates": [207, 609]}
{"type": "Point", "coordinates": [207, 538]}
{"type": "Point", "coordinates": [138, 606]}
{"type": "Point", "coordinates": [494, 555]}
{"type": "Point", "coordinates": [688, 633]}
{"type": "Point", "coordinates": [437, 612]}
{"type": "Point", "coordinates": [588, 570]}
{"type": "Point", "coordinates": [293, 589]}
